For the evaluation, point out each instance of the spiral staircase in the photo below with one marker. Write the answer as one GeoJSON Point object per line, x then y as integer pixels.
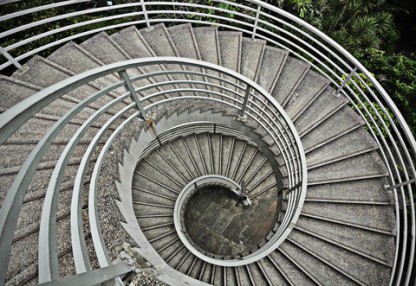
{"type": "Point", "coordinates": [153, 134]}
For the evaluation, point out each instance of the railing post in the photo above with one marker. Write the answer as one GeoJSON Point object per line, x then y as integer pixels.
{"type": "Point", "coordinates": [256, 22]}
{"type": "Point", "coordinates": [408, 182]}
{"type": "Point", "coordinates": [242, 114]}
{"type": "Point", "coordinates": [11, 59]}
{"type": "Point", "coordinates": [348, 78]}
{"type": "Point", "coordinates": [133, 94]}
{"type": "Point", "coordinates": [146, 16]}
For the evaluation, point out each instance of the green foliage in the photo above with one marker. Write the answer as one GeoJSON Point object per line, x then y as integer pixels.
{"type": "Point", "coordinates": [367, 29]}
{"type": "Point", "coordinates": [66, 22]}
{"type": "Point", "coordinates": [397, 74]}
{"type": "Point", "coordinates": [359, 25]}
{"type": "Point", "coordinates": [374, 109]}
{"type": "Point", "coordinates": [230, 14]}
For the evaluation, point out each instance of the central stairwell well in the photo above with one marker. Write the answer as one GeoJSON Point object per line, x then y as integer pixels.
{"type": "Point", "coordinates": [222, 159]}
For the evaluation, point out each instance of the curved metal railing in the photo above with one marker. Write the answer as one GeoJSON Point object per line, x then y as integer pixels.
{"type": "Point", "coordinates": [244, 95]}
{"type": "Point", "coordinates": [279, 28]}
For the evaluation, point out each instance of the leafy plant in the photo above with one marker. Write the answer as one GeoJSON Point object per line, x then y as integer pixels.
{"type": "Point", "coordinates": [375, 112]}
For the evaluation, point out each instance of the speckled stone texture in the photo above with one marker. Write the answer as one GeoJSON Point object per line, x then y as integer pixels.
{"type": "Point", "coordinates": [218, 224]}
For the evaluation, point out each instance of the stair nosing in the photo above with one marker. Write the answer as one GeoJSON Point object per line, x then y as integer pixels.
{"type": "Point", "coordinates": [359, 226]}
{"type": "Point", "coordinates": [349, 248]}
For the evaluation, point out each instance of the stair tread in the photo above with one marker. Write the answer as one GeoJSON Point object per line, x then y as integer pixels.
{"type": "Point", "coordinates": [373, 244]}
{"type": "Point", "coordinates": [104, 49]}
{"type": "Point", "coordinates": [311, 86]}
{"type": "Point", "coordinates": [357, 141]}
{"type": "Point", "coordinates": [322, 273]}
{"type": "Point", "coordinates": [207, 39]}
{"type": "Point", "coordinates": [133, 43]}
{"type": "Point", "coordinates": [158, 39]}
{"type": "Point", "coordinates": [251, 56]}
{"type": "Point", "coordinates": [43, 73]}
{"type": "Point", "coordinates": [76, 59]}
{"type": "Point", "coordinates": [383, 218]}
{"type": "Point", "coordinates": [291, 75]}
{"type": "Point", "coordinates": [13, 91]}
{"type": "Point", "coordinates": [340, 122]}
{"type": "Point", "coordinates": [363, 165]}
{"type": "Point", "coordinates": [230, 47]}
{"type": "Point", "coordinates": [184, 40]}
{"type": "Point", "coordinates": [271, 67]}
{"type": "Point", "coordinates": [348, 262]}
{"type": "Point", "coordinates": [321, 108]}
{"type": "Point", "coordinates": [365, 190]}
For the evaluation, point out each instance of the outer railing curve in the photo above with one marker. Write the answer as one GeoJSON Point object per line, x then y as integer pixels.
{"type": "Point", "coordinates": [279, 28]}
{"type": "Point", "coordinates": [243, 97]}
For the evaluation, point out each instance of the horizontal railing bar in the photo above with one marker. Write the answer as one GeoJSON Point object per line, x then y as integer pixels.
{"type": "Point", "coordinates": [47, 235]}
{"type": "Point", "coordinates": [164, 92]}
{"type": "Point", "coordinates": [100, 252]}
{"type": "Point", "coordinates": [408, 182]}
{"type": "Point", "coordinates": [94, 277]}
{"type": "Point", "coordinates": [65, 16]}
{"type": "Point", "coordinates": [40, 8]}
{"type": "Point", "coordinates": [14, 198]}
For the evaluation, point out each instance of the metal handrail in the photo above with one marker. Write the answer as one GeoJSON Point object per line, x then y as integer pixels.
{"type": "Point", "coordinates": [262, 20]}
{"type": "Point", "coordinates": [12, 119]}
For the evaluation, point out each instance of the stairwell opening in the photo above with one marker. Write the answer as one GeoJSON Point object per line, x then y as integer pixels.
{"type": "Point", "coordinates": [218, 222]}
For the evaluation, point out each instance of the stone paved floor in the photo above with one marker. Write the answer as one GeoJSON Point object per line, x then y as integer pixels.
{"type": "Point", "coordinates": [217, 225]}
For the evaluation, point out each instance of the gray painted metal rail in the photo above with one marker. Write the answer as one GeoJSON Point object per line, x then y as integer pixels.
{"type": "Point", "coordinates": [11, 120]}
{"type": "Point", "coordinates": [259, 20]}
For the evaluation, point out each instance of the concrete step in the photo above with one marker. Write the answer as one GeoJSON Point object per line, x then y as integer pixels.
{"type": "Point", "coordinates": [349, 264]}
{"type": "Point", "coordinates": [337, 125]}
{"type": "Point", "coordinates": [180, 257]}
{"type": "Point", "coordinates": [370, 190]}
{"type": "Point", "coordinates": [32, 131]}
{"type": "Point", "coordinates": [230, 48]}
{"type": "Point", "coordinates": [252, 51]}
{"type": "Point", "coordinates": [257, 276]}
{"type": "Point", "coordinates": [194, 148]}
{"type": "Point", "coordinates": [43, 73]}
{"type": "Point", "coordinates": [182, 149]}
{"type": "Point", "coordinates": [158, 237]}
{"type": "Point", "coordinates": [14, 91]}
{"type": "Point", "coordinates": [319, 272]}
{"type": "Point", "coordinates": [133, 43]}
{"type": "Point", "coordinates": [364, 165]}
{"type": "Point", "coordinates": [207, 40]}
{"type": "Point", "coordinates": [13, 160]}
{"type": "Point", "coordinates": [159, 40]}
{"type": "Point", "coordinates": [77, 59]}
{"type": "Point", "coordinates": [325, 105]}
{"type": "Point", "coordinates": [354, 143]}
{"type": "Point", "coordinates": [292, 74]}
{"type": "Point", "coordinates": [24, 251]}
{"type": "Point", "coordinates": [355, 215]}
{"type": "Point", "coordinates": [250, 155]}
{"type": "Point", "coordinates": [185, 43]}
{"type": "Point", "coordinates": [271, 67]}
{"type": "Point", "coordinates": [271, 271]}
{"type": "Point", "coordinates": [228, 144]}
{"type": "Point", "coordinates": [150, 182]}
{"type": "Point", "coordinates": [204, 142]}
{"type": "Point", "coordinates": [311, 86]}
{"type": "Point", "coordinates": [291, 271]}
{"type": "Point", "coordinates": [104, 48]}
{"type": "Point", "coordinates": [374, 246]}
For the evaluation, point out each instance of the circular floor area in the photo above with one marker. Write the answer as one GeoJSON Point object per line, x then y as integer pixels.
{"type": "Point", "coordinates": [218, 224]}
